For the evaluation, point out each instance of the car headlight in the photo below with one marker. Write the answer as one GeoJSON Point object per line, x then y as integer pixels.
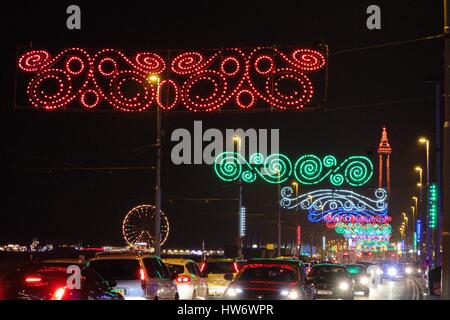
{"type": "Point", "coordinates": [364, 280]}
{"type": "Point", "coordinates": [419, 271]}
{"type": "Point", "coordinates": [291, 294]}
{"type": "Point", "coordinates": [392, 271]}
{"type": "Point", "coordinates": [344, 286]}
{"type": "Point", "coordinates": [408, 270]}
{"type": "Point", "coordinates": [233, 292]}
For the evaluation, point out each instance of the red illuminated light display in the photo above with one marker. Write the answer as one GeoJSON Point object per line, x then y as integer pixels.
{"type": "Point", "coordinates": [199, 82]}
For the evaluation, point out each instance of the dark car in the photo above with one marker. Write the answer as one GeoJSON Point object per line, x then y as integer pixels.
{"type": "Point", "coordinates": [433, 281]}
{"type": "Point", "coordinates": [331, 281]}
{"type": "Point", "coordinates": [48, 281]}
{"type": "Point", "coordinates": [360, 277]}
{"type": "Point", "coordinates": [270, 279]}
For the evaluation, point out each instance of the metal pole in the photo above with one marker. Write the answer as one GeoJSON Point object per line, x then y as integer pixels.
{"type": "Point", "coordinates": [158, 179]}
{"type": "Point", "coordinates": [240, 237]}
{"type": "Point", "coordinates": [279, 218]}
{"type": "Point", "coordinates": [438, 173]}
{"type": "Point", "coordinates": [429, 232]}
{"type": "Point", "coordinates": [445, 285]}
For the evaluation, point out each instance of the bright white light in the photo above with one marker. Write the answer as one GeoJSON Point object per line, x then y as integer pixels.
{"type": "Point", "coordinates": [293, 295]}
{"type": "Point", "coordinates": [408, 270]}
{"type": "Point", "coordinates": [344, 286]}
{"type": "Point", "coordinates": [364, 280]}
{"type": "Point", "coordinates": [392, 272]}
{"type": "Point", "coordinates": [232, 292]}
{"type": "Point", "coordinates": [290, 294]}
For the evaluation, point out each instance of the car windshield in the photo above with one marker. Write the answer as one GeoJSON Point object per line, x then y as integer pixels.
{"type": "Point", "coordinates": [328, 272]}
{"type": "Point", "coordinates": [117, 269]}
{"type": "Point", "coordinates": [175, 268]}
{"type": "Point", "coordinates": [269, 273]}
{"type": "Point", "coordinates": [219, 267]}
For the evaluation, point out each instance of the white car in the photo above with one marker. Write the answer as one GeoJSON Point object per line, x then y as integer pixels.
{"type": "Point", "coordinates": [137, 277]}
{"type": "Point", "coordinates": [191, 285]}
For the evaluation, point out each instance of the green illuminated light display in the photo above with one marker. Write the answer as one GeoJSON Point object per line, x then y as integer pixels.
{"type": "Point", "coordinates": [432, 204]}
{"type": "Point", "coordinates": [308, 169]}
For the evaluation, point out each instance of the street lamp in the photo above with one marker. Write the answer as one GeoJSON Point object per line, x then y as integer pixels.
{"type": "Point", "coordinates": [427, 144]}
{"type": "Point", "coordinates": [155, 79]}
{"type": "Point", "coordinates": [429, 236]}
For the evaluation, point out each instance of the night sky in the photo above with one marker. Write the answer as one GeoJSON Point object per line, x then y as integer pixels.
{"type": "Point", "coordinates": [367, 89]}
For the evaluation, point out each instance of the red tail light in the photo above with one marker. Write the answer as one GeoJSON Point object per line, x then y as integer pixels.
{"type": "Point", "coordinates": [202, 267]}
{"type": "Point", "coordinates": [141, 274]}
{"type": "Point", "coordinates": [236, 267]}
{"type": "Point", "coordinates": [59, 294]}
{"type": "Point", "coordinates": [183, 279]}
{"type": "Point", "coordinates": [33, 279]}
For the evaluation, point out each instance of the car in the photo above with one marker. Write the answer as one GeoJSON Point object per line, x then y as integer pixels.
{"type": "Point", "coordinates": [137, 277]}
{"type": "Point", "coordinates": [219, 272]}
{"type": "Point", "coordinates": [433, 281]}
{"type": "Point", "coordinates": [47, 280]}
{"type": "Point", "coordinates": [190, 283]}
{"type": "Point", "coordinates": [360, 277]}
{"type": "Point", "coordinates": [331, 281]}
{"type": "Point", "coordinates": [270, 279]}
{"type": "Point", "coordinates": [392, 271]}
{"type": "Point", "coordinates": [412, 270]}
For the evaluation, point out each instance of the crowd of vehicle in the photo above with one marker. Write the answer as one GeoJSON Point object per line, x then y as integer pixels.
{"type": "Point", "coordinates": [136, 276]}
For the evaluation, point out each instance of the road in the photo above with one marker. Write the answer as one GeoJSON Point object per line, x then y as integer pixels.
{"type": "Point", "coordinates": [405, 289]}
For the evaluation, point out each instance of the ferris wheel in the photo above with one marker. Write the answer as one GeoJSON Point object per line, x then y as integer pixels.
{"type": "Point", "coordinates": [138, 227]}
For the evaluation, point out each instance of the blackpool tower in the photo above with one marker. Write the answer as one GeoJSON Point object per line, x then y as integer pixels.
{"type": "Point", "coordinates": [384, 154]}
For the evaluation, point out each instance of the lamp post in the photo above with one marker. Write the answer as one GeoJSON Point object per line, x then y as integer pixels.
{"type": "Point", "coordinates": [426, 142]}
{"type": "Point", "coordinates": [298, 228]}
{"type": "Point", "coordinates": [405, 226]}
{"type": "Point", "coordinates": [420, 208]}
{"type": "Point", "coordinates": [279, 215]}
{"type": "Point", "coordinates": [413, 231]}
{"type": "Point", "coordinates": [155, 79]}
{"type": "Point", "coordinates": [237, 140]}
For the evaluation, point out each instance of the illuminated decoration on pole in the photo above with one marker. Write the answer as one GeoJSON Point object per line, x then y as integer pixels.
{"type": "Point", "coordinates": [432, 204]}
{"type": "Point", "coordinates": [331, 204]}
{"type": "Point", "coordinates": [419, 230]}
{"type": "Point", "coordinates": [308, 169]}
{"type": "Point", "coordinates": [355, 170]}
{"type": "Point", "coordinates": [138, 226]}
{"type": "Point", "coordinates": [242, 223]}
{"type": "Point", "coordinates": [201, 82]}
{"type": "Point", "coordinates": [276, 168]}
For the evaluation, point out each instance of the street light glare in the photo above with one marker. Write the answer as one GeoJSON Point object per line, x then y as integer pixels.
{"type": "Point", "coordinates": [423, 140]}
{"type": "Point", "coordinates": [418, 168]}
{"type": "Point", "coordinates": [153, 78]}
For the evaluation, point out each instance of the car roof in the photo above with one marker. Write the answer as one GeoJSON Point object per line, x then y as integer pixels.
{"type": "Point", "coordinates": [64, 261]}
{"type": "Point", "coordinates": [273, 260]}
{"type": "Point", "coordinates": [329, 265]}
{"type": "Point", "coordinates": [130, 256]}
{"type": "Point", "coordinates": [221, 260]}
{"type": "Point", "coordinates": [178, 260]}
